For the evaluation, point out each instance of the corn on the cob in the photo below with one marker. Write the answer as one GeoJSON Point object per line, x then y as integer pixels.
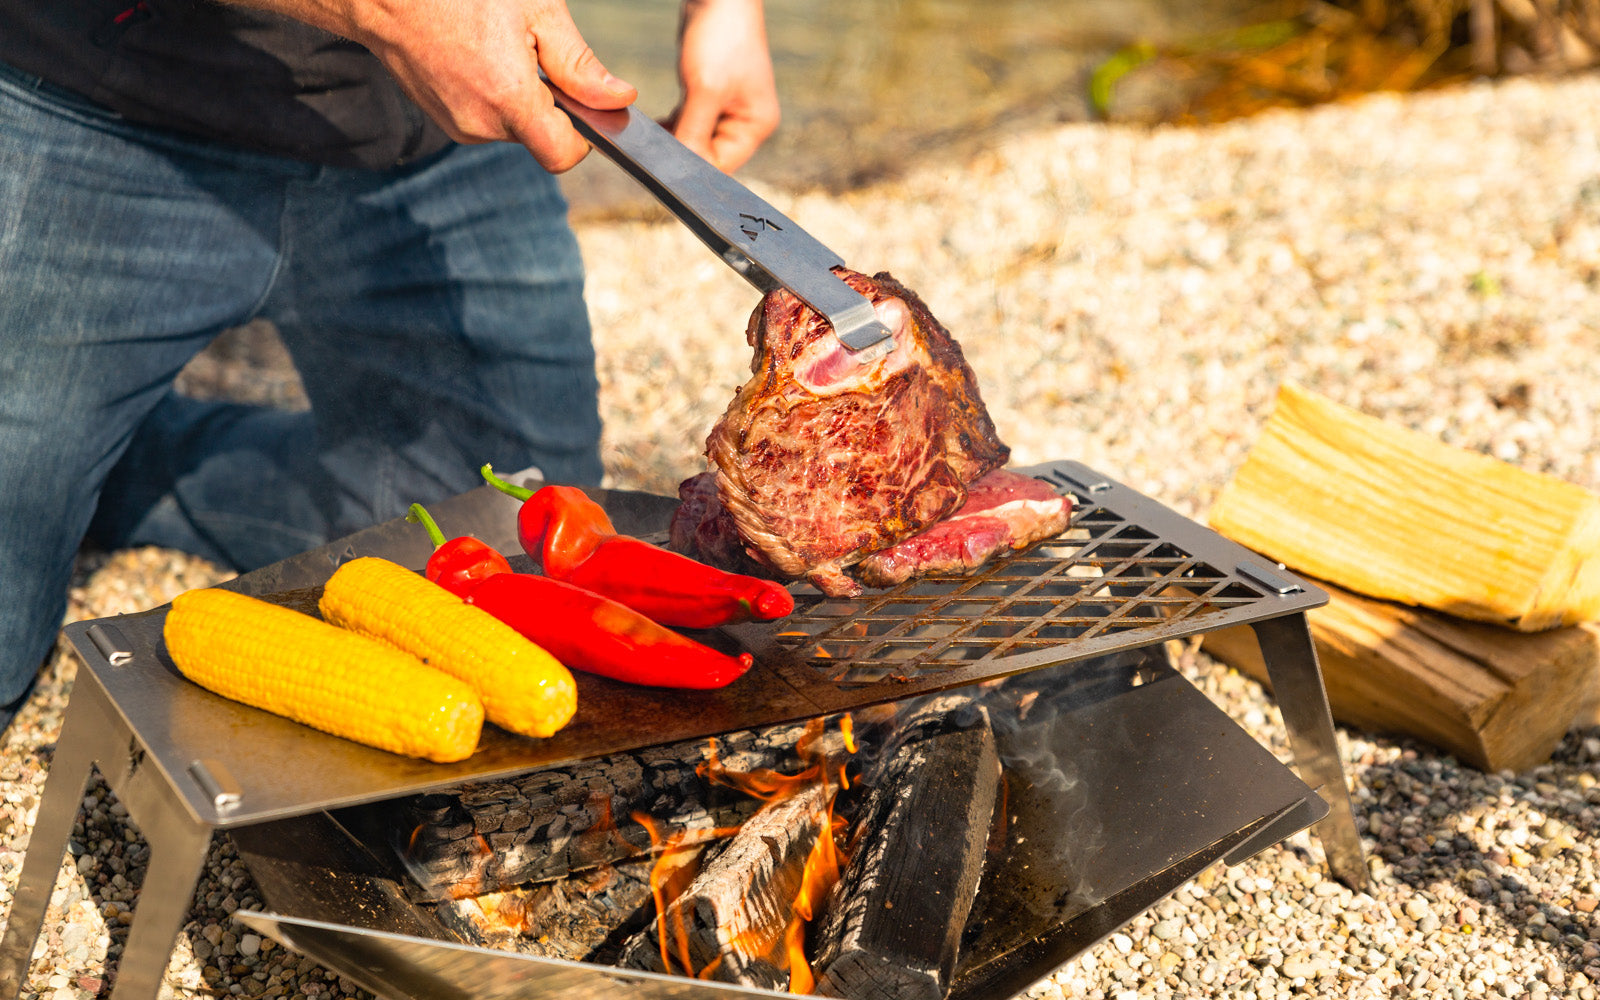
{"type": "Point", "coordinates": [291, 664]}
{"type": "Point", "coordinates": [524, 689]}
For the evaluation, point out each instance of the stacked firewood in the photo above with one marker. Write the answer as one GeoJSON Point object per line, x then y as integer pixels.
{"type": "Point", "coordinates": [662, 860]}
{"type": "Point", "coordinates": [491, 836]}
{"type": "Point", "coordinates": [1463, 590]}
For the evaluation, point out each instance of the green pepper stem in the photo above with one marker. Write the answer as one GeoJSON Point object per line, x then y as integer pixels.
{"type": "Point", "coordinates": [420, 516]}
{"type": "Point", "coordinates": [509, 489]}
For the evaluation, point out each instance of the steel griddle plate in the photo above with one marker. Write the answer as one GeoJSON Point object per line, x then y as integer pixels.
{"type": "Point", "coordinates": [1126, 574]}
{"type": "Point", "coordinates": [1122, 781]}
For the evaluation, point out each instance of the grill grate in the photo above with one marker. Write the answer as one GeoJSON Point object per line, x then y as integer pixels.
{"type": "Point", "coordinates": [1104, 578]}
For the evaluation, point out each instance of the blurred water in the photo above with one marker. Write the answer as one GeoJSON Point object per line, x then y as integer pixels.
{"type": "Point", "coordinates": [869, 85]}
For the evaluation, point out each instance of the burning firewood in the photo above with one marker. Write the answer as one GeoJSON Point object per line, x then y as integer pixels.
{"type": "Point", "coordinates": [894, 920]}
{"type": "Point", "coordinates": [574, 918]}
{"type": "Point", "coordinates": [495, 836]}
{"type": "Point", "coordinates": [730, 924]}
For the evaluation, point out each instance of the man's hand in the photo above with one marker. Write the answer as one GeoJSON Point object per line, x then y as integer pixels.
{"type": "Point", "coordinates": [473, 65]}
{"type": "Point", "coordinates": [730, 99]}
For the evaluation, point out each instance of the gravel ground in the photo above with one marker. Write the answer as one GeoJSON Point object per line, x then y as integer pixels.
{"type": "Point", "coordinates": [1130, 298]}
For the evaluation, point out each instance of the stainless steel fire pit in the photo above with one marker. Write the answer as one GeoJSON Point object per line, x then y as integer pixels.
{"type": "Point", "coordinates": [1126, 576]}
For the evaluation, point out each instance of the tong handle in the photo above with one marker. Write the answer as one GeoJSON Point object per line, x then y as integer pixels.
{"type": "Point", "coordinates": [751, 236]}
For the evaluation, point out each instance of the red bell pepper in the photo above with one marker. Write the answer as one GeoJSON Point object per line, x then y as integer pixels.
{"type": "Point", "coordinates": [573, 539]}
{"type": "Point", "coordinates": [460, 564]}
{"type": "Point", "coordinates": [600, 636]}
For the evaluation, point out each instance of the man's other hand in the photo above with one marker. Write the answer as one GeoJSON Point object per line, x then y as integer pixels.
{"type": "Point", "coordinates": [729, 104]}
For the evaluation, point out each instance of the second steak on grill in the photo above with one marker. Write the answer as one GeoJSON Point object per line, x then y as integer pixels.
{"type": "Point", "coordinates": [820, 460]}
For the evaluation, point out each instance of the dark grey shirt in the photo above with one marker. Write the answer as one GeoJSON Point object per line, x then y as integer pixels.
{"type": "Point", "coordinates": [232, 74]}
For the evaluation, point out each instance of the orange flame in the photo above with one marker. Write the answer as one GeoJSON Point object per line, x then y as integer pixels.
{"type": "Point", "coordinates": [668, 878]}
{"type": "Point", "coordinates": [823, 865]}
{"type": "Point", "coordinates": [764, 783]}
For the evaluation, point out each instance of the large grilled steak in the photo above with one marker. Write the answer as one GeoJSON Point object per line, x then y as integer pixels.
{"type": "Point", "coordinates": [1005, 510]}
{"type": "Point", "coordinates": [820, 461]}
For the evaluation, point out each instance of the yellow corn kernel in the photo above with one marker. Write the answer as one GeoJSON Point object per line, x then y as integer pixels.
{"type": "Point", "coordinates": [279, 660]}
{"type": "Point", "coordinates": [524, 689]}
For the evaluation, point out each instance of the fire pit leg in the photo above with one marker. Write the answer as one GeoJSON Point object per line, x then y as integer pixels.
{"type": "Point", "coordinates": [177, 852]}
{"type": "Point", "coordinates": [1291, 660]}
{"type": "Point", "coordinates": [58, 808]}
{"type": "Point", "coordinates": [95, 734]}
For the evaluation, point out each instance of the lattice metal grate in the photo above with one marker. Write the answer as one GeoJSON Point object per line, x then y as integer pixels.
{"type": "Point", "coordinates": [1104, 578]}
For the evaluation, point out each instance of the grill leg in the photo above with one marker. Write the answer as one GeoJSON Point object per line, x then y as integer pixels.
{"type": "Point", "coordinates": [58, 807]}
{"type": "Point", "coordinates": [177, 852]}
{"type": "Point", "coordinates": [94, 734]}
{"type": "Point", "coordinates": [1291, 660]}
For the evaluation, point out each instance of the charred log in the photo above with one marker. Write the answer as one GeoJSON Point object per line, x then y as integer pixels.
{"type": "Point", "coordinates": [894, 920]}
{"type": "Point", "coordinates": [576, 918]}
{"type": "Point", "coordinates": [729, 923]}
{"type": "Point", "coordinates": [494, 836]}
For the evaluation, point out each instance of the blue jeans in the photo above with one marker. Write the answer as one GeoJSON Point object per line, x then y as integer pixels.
{"type": "Point", "coordinates": [435, 313]}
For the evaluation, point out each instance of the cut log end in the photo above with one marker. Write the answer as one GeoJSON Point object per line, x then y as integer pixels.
{"type": "Point", "coordinates": [861, 975]}
{"type": "Point", "coordinates": [1496, 699]}
{"type": "Point", "coordinates": [894, 921]}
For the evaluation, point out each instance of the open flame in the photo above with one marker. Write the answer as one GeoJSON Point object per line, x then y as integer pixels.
{"type": "Point", "coordinates": [823, 867]}
{"type": "Point", "coordinates": [674, 868]}
{"type": "Point", "coordinates": [783, 946]}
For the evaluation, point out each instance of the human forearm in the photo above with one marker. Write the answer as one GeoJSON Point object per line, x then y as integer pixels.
{"type": "Point", "coordinates": [474, 66]}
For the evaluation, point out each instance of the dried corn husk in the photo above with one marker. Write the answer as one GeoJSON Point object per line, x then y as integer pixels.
{"type": "Point", "coordinates": [1392, 513]}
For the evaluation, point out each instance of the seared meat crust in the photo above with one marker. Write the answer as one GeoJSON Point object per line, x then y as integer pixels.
{"type": "Point", "coordinates": [820, 461]}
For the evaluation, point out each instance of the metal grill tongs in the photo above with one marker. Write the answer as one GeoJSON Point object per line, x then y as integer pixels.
{"type": "Point", "coordinates": [751, 236]}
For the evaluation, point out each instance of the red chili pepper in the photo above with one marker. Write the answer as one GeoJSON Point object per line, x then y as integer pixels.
{"type": "Point", "coordinates": [600, 636]}
{"type": "Point", "coordinates": [460, 564]}
{"type": "Point", "coordinates": [557, 525]}
{"type": "Point", "coordinates": [574, 541]}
